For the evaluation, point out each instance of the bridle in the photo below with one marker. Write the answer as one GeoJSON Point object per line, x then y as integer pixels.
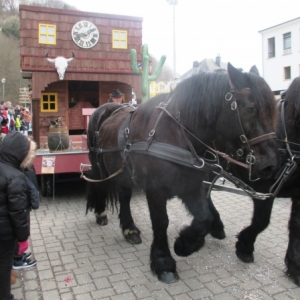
{"type": "Point", "coordinates": [250, 158]}
{"type": "Point", "coordinates": [290, 166]}
{"type": "Point", "coordinates": [292, 154]}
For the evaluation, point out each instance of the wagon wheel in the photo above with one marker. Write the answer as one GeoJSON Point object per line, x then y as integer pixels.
{"type": "Point", "coordinates": [47, 185]}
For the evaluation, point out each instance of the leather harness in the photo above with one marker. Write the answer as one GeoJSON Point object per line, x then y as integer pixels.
{"type": "Point", "coordinates": [187, 158]}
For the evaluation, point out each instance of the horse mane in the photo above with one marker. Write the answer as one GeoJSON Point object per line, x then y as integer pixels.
{"type": "Point", "coordinates": [292, 95]}
{"type": "Point", "coordinates": [264, 98]}
{"type": "Point", "coordinates": [195, 98]}
{"type": "Point", "coordinates": [205, 90]}
{"type": "Point", "coordinates": [292, 98]}
{"type": "Point", "coordinates": [201, 97]}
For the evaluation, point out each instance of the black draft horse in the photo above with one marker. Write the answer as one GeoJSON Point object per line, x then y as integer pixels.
{"type": "Point", "coordinates": [288, 133]}
{"type": "Point", "coordinates": [161, 147]}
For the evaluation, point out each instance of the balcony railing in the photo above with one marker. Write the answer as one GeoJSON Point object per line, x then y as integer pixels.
{"type": "Point", "coordinates": [79, 64]}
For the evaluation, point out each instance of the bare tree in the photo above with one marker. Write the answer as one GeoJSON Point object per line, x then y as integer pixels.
{"type": "Point", "coordinates": [48, 3]}
{"type": "Point", "coordinates": [11, 26]}
{"type": "Point", "coordinates": [10, 68]}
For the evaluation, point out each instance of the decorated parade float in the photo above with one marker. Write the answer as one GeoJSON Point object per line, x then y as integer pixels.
{"type": "Point", "coordinates": [74, 60]}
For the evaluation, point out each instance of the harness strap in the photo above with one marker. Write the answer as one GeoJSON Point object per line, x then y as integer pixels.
{"type": "Point", "coordinates": [262, 138]}
{"type": "Point", "coordinates": [123, 134]}
{"type": "Point", "coordinates": [224, 155]}
{"type": "Point", "coordinates": [287, 145]}
{"type": "Point", "coordinates": [173, 154]}
{"type": "Point", "coordinates": [284, 175]}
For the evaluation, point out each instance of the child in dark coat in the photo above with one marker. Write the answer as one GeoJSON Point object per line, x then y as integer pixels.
{"type": "Point", "coordinates": [16, 154]}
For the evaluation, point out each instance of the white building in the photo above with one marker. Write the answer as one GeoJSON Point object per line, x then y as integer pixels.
{"type": "Point", "coordinates": [281, 54]}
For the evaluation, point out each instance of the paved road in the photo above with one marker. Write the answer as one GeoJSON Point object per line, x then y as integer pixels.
{"type": "Point", "coordinates": [77, 259]}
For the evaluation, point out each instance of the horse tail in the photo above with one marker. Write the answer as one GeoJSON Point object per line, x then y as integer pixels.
{"type": "Point", "coordinates": [99, 194]}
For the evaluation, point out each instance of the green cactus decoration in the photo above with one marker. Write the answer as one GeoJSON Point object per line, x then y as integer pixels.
{"type": "Point", "coordinates": [146, 78]}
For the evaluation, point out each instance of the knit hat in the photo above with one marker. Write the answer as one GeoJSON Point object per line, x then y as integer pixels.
{"type": "Point", "coordinates": [14, 149]}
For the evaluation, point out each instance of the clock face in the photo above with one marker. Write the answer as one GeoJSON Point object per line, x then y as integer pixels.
{"type": "Point", "coordinates": [85, 34]}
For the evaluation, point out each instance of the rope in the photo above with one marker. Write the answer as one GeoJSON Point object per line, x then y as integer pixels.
{"type": "Point", "coordinates": [100, 180]}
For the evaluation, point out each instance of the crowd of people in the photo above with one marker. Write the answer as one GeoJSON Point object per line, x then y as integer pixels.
{"type": "Point", "coordinates": [14, 118]}
{"type": "Point", "coordinates": [19, 193]}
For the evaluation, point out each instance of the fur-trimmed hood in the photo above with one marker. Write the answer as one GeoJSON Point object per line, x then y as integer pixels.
{"type": "Point", "coordinates": [17, 150]}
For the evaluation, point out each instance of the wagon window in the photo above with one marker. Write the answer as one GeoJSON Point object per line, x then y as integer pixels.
{"type": "Point", "coordinates": [119, 39]}
{"type": "Point", "coordinates": [47, 34]}
{"type": "Point", "coordinates": [49, 103]}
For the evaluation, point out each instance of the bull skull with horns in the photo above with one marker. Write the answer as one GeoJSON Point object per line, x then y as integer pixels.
{"type": "Point", "coordinates": [61, 64]}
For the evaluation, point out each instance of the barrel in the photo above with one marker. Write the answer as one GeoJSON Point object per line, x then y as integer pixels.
{"type": "Point", "coordinates": [58, 139]}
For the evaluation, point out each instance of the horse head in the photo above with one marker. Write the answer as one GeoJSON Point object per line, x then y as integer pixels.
{"type": "Point", "coordinates": [289, 122]}
{"type": "Point", "coordinates": [247, 123]}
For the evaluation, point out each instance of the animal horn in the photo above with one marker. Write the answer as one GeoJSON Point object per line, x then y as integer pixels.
{"type": "Point", "coordinates": [71, 58]}
{"type": "Point", "coordinates": [50, 59]}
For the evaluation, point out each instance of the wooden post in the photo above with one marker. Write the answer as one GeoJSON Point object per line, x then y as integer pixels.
{"type": "Point", "coordinates": [35, 102]}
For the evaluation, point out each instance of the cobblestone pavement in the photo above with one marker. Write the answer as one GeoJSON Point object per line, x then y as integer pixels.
{"type": "Point", "coordinates": [77, 259]}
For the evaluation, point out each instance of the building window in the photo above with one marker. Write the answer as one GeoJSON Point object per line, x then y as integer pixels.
{"type": "Point", "coordinates": [119, 39]}
{"type": "Point", "coordinates": [47, 34]}
{"type": "Point", "coordinates": [271, 47]}
{"type": "Point", "coordinates": [49, 103]}
{"type": "Point", "coordinates": [287, 43]}
{"type": "Point", "coordinates": [287, 72]}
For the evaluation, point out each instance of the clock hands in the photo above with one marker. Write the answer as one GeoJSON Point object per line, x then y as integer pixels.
{"type": "Point", "coordinates": [90, 30]}
{"type": "Point", "coordinates": [85, 34]}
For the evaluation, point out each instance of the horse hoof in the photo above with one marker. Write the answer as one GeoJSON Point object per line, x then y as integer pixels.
{"type": "Point", "coordinates": [218, 234]}
{"type": "Point", "coordinates": [294, 277]}
{"type": "Point", "coordinates": [168, 277]}
{"type": "Point", "coordinates": [246, 258]}
{"type": "Point", "coordinates": [102, 221]}
{"type": "Point", "coordinates": [133, 238]}
{"type": "Point", "coordinates": [296, 280]}
{"type": "Point", "coordinates": [185, 247]}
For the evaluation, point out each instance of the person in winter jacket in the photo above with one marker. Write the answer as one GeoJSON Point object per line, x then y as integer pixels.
{"type": "Point", "coordinates": [18, 123]}
{"type": "Point", "coordinates": [22, 260]}
{"type": "Point", "coordinates": [16, 154]}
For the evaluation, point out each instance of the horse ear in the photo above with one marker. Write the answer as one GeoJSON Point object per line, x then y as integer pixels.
{"type": "Point", "coordinates": [236, 77]}
{"type": "Point", "coordinates": [254, 70]}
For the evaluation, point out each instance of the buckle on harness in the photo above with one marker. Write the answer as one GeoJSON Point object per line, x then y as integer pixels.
{"type": "Point", "coordinates": [202, 163]}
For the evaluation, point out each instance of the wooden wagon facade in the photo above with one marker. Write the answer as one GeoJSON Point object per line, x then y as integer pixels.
{"type": "Point", "coordinates": [100, 64]}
